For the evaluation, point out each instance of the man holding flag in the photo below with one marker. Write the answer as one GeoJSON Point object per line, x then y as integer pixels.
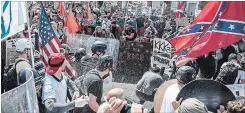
{"type": "Point", "coordinates": [49, 42]}
{"type": "Point", "coordinates": [185, 38]}
{"type": "Point", "coordinates": [228, 29]}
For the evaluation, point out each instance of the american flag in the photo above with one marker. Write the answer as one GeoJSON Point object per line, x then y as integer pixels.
{"type": "Point", "coordinates": [49, 42]}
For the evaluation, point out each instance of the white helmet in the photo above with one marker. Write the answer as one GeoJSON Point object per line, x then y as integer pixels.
{"type": "Point", "coordinates": [22, 44]}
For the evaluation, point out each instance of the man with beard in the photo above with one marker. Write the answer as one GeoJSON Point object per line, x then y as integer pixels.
{"type": "Point", "coordinates": [99, 32]}
{"type": "Point", "coordinates": [91, 84]}
{"type": "Point", "coordinates": [89, 28]}
{"type": "Point", "coordinates": [130, 33]}
{"type": "Point", "coordinates": [115, 29]}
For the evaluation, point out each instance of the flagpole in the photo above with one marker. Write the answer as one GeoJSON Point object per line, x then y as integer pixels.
{"type": "Point", "coordinates": [29, 33]}
{"type": "Point", "coordinates": [126, 15]}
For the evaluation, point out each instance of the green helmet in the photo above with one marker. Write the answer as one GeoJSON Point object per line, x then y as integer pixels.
{"type": "Point", "coordinates": [105, 62]}
{"type": "Point", "coordinates": [98, 46]}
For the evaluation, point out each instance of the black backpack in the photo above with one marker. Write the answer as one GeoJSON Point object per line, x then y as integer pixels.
{"type": "Point", "coordinates": [11, 78]}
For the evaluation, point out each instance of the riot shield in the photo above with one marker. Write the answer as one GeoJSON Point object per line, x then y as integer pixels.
{"type": "Point", "coordinates": [22, 99]}
{"type": "Point", "coordinates": [133, 61]}
{"type": "Point", "coordinates": [112, 47]}
{"type": "Point", "coordinates": [211, 93]}
{"type": "Point", "coordinates": [86, 41]}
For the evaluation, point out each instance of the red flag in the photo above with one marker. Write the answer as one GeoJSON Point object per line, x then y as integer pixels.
{"type": "Point", "coordinates": [186, 38]}
{"type": "Point", "coordinates": [177, 14]}
{"type": "Point", "coordinates": [112, 11]}
{"type": "Point", "coordinates": [71, 24]}
{"type": "Point", "coordinates": [229, 29]}
{"type": "Point", "coordinates": [88, 13]}
{"type": "Point", "coordinates": [61, 8]}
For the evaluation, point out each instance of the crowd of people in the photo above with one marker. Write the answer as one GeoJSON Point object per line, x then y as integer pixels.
{"type": "Point", "coordinates": [106, 24]}
{"type": "Point", "coordinates": [84, 94]}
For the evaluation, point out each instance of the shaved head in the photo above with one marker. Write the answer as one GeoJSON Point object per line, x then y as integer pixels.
{"type": "Point", "coordinates": [116, 92]}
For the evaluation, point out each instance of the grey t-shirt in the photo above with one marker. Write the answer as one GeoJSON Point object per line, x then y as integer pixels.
{"type": "Point", "coordinates": [149, 82]}
{"type": "Point", "coordinates": [86, 64]}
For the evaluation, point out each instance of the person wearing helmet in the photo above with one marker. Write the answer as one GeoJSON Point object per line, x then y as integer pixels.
{"type": "Point", "coordinates": [129, 33]}
{"type": "Point", "coordinates": [88, 62]}
{"type": "Point", "coordinates": [23, 52]}
{"type": "Point", "coordinates": [184, 75]}
{"type": "Point", "coordinates": [91, 84]}
{"type": "Point", "coordinates": [79, 53]}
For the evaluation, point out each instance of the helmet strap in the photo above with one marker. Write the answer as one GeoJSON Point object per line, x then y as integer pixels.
{"type": "Point", "coordinates": [97, 54]}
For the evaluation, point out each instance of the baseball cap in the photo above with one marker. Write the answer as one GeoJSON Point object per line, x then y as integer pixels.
{"type": "Point", "coordinates": [54, 63]}
{"type": "Point", "coordinates": [192, 105]}
{"type": "Point", "coordinates": [186, 74]}
{"type": "Point", "coordinates": [232, 56]}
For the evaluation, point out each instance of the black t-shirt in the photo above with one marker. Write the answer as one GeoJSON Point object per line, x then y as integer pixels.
{"type": "Point", "coordinates": [92, 83]}
{"type": "Point", "coordinates": [206, 66]}
{"type": "Point", "coordinates": [128, 32]}
{"type": "Point", "coordinates": [89, 30]}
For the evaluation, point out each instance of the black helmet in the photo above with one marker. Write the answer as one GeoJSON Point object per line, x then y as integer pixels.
{"type": "Point", "coordinates": [80, 53]}
{"type": "Point", "coordinates": [98, 46]}
{"type": "Point", "coordinates": [105, 62]}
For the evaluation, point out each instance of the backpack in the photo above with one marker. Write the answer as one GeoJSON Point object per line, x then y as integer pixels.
{"type": "Point", "coordinates": [228, 73]}
{"type": "Point", "coordinates": [42, 108]}
{"type": "Point", "coordinates": [11, 80]}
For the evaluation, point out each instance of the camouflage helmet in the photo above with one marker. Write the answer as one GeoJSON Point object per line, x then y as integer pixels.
{"type": "Point", "coordinates": [79, 53]}
{"type": "Point", "coordinates": [186, 74]}
{"type": "Point", "coordinates": [105, 62]}
{"type": "Point", "coordinates": [98, 46]}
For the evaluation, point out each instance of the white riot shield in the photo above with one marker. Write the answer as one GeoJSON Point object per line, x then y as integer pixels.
{"type": "Point", "coordinates": [85, 41]}
{"type": "Point", "coordinates": [22, 99]}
